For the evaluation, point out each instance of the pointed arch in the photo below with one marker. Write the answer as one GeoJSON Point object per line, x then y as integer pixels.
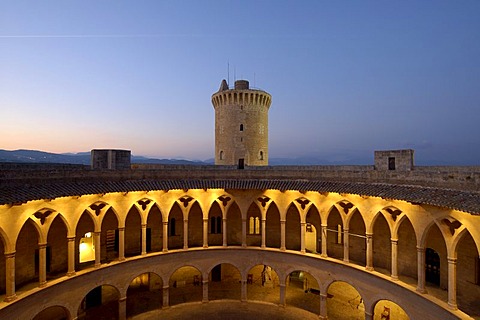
{"type": "Point", "coordinates": [195, 226]}
{"type": "Point", "coordinates": [382, 244]}
{"type": "Point", "coordinates": [109, 236]}
{"type": "Point", "coordinates": [234, 225]}
{"type": "Point", "coordinates": [356, 231]}
{"type": "Point", "coordinates": [85, 226]}
{"type": "Point", "coordinates": [175, 227]}
{"type": "Point", "coordinates": [254, 229]}
{"type": "Point", "coordinates": [335, 227]}
{"type": "Point", "coordinates": [313, 230]}
{"type": "Point", "coordinates": [133, 232]}
{"type": "Point", "coordinates": [215, 229]}
{"type": "Point", "coordinates": [57, 248]}
{"type": "Point", "coordinates": [272, 227]}
{"type": "Point", "coordinates": [27, 254]}
{"type": "Point", "coordinates": [292, 228]}
{"type": "Point", "coordinates": [154, 229]}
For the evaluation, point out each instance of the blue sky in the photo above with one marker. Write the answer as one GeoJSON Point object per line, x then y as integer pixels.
{"type": "Point", "coordinates": [346, 77]}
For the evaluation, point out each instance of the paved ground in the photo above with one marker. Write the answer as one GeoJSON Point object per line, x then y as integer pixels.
{"type": "Point", "coordinates": [225, 309]}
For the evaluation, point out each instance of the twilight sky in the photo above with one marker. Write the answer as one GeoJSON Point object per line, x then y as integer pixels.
{"type": "Point", "coordinates": [346, 77]}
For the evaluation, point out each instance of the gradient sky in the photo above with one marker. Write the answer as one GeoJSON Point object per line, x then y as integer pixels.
{"type": "Point", "coordinates": [346, 77]}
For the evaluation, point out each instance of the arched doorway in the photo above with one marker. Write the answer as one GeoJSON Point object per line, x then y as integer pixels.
{"type": "Point", "coordinates": [224, 282]}
{"type": "Point", "coordinates": [382, 247]}
{"type": "Point", "coordinates": [100, 303]}
{"type": "Point", "coordinates": [154, 241]}
{"type": "Point", "coordinates": [133, 233]}
{"type": "Point", "coordinates": [344, 302]}
{"type": "Point", "coordinates": [302, 291]}
{"type": "Point", "coordinates": [334, 234]}
{"type": "Point", "coordinates": [273, 227]}
{"type": "Point", "coordinates": [215, 223]}
{"type": "Point", "coordinates": [292, 228]}
{"type": "Point", "coordinates": [109, 237]}
{"type": "Point", "coordinates": [84, 239]}
{"type": "Point", "coordinates": [57, 249]}
{"type": "Point", "coordinates": [312, 230]}
{"type": "Point", "coordinates": [234, 226]}
{"type": "Point", "coordinates": [254, 227]}
{"type": "Point", "coordinates": [263, 284]}
{"type": "Point", "coordinates": [175, 228]}
{"type": "Point", "coordinates": [185, 285]}
{"type": "Point", "coordinates": [27, 255]}
{"type": "Point", "coordinates": [144, 294]}
{"type": "Point", "coordinates": [357, 239]}
{"type": "Point", "coordinates": [195, 226]}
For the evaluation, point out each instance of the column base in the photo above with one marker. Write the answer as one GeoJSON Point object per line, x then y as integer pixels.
{"type": "Point", "coordinates": [369, 268]}
{"type": "Point", "coordinates": [10, 298]}
{"type": "Point", "coordinates": [452, 306]}
{"type": "Point", "coordinates": [42, 284]}
{"type": "Point", "coordinates": [205, 247]}
{"type": "Point", "coordinates": [422, 291]}
{"type": "Point", "coordinates": [323, 255]}
{"type": "Point", "coordinates": [283, 249]}
{"type": "Point", "coordinates": [394, 278]}
{"type": "Point", "coordinates": [164, 250]}
{"type": "Point", "coordinates": [71, 274]}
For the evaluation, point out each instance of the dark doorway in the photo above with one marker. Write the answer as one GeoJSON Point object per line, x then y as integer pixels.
{"type": "Point", "coordinates": [94, 298]}
{"type": "Point", "coordinates": [217, 273]}
{"type": "Point", "coordinates": [149, 239]}
{"type": "Point", "coordinates": [241, 164]}
{"type": "Point", "coordinates": [432, 267]}
{"type": "Point", "coordinates": [391, 163]}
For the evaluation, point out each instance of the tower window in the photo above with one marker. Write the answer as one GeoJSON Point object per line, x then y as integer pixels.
{"type": "Point", "coordinates": [221, 155]}
{"type": "Point", "coordinates": [241, 127]}
{"type": "Point", "coordinates": [260, 156]}
{"type": "Point", "coordinates": [391, 163]}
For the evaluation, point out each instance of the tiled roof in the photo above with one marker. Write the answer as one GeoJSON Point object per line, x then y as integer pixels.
{"type": "Point", "coordinates": [467, 201]}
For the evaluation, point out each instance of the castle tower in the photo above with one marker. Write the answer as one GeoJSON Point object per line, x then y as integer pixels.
{"type": "Point", "coordinates": [241, 125]}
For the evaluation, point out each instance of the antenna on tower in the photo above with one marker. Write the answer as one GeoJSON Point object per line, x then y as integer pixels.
{"type": "Point", "coordinates": [228, 72]}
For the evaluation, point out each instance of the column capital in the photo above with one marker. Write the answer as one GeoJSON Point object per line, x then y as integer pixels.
{"type": "Point", "coordinates": [144, 225]}
{"type": "Point", "coordinates": [72, 238]}
{"type": "Point", "coordinates": [452, 260]}
{"type": "Point", "coordinates": [9, 255]}
{"type": "Point", "coordinates": [121, 229]}
{"type": "Point", "coordinates": [42, 245]}
{"type": "Point", "coordinates": [392, 240]}
{"type": "Point", "coordinates": [420, 249]}
{"type": "Point", "coordinates": [163, 222]}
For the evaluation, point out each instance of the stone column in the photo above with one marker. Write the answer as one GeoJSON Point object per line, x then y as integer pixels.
{"type": "Point", "coordinates": [452, 283]}
{"type": "Point", "coordinates": [394, 258]}
{"type": "Point", "coordinates": [421, 270]}
{"type": "Point", "coordinates": [302, 237]}
{"type": "Point", "coordinates": [264, 232]}
{"type": "Point", "coordinates": [244, 290]}
{"type": "Point", "coordinates": [282, 235]}
{"type": "Point", "coordinates": [42, 265]}
{"type": "Point", "coordinates": [323, 306]}
{"type": "Point", "coordinates": [282, 294]}
{"type": "Point", "coordinates": [121, 244]}
{"type": "Point", "coordinates": [144, 239]}
{"type": "Point", "coordinates": [369, 240]}
{"type": "Point", "coordinates": [10, 276]}
{"type": "Point", "coordinates": [185, 234]}
{"type": "Point", "coordinates": [244, 232]}
{"type": "Point", "coordinates": [324, 241]}
{"type": "Point", "coordinates": [98, 251]}
{"type": "Point", "coordinates": [165, 236]}
{"type": "Point", "coordinates": [122, 308]}
{"type": "Point", "coordinates": [346, 248]}
{"type": "Point", "coordinates": [166, 296]}
{"type": "Point", "coordinates": [205, 291]}
{"type": "Point", "coordinates": [224, 232]}
{"type": "Point", "coordinates": [205, 233]}
{"type": "Point", "coordinates": [71, 256]}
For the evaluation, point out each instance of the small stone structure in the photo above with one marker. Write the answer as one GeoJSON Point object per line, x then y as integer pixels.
{"type": "Point", "coordinates": [112, 159]}
{"type": "Point", "coordinates": [241, 125]}
{"type": "Point", "coordinates": [400, 160]}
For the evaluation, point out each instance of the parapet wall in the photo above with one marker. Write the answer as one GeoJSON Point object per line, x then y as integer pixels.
{"type": "Point", "coordinates": [461, 178]}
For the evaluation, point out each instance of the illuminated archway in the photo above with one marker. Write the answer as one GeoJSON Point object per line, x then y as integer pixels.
{"type": "Point", "coordinates": [344, 302]}
{"type": "Point", "coordinates": [303, 291]}
{"type": "Point", "coordinates": [146, 288]}
{"type": "Point", "coordinates": [102, 300]}
{"type": "Point", "coordinates": [386, 310]}
{"type": "Point", "coordinates": [263, 284]}
{"type": "Point", "coordinates": [185, 285]}
{"type": "Point", "coordinates": [224, 282]}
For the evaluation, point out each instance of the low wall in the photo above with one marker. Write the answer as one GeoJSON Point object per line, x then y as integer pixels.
{"type": "Point", "coordinates": [461, 178]}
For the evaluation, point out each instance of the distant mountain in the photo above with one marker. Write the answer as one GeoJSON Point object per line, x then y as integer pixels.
{"type": "Point", "coordinates": [34, 156]}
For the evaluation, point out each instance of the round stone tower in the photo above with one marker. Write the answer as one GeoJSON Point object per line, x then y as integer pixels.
{"type": "Point", "coordinates": [241, 125]}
